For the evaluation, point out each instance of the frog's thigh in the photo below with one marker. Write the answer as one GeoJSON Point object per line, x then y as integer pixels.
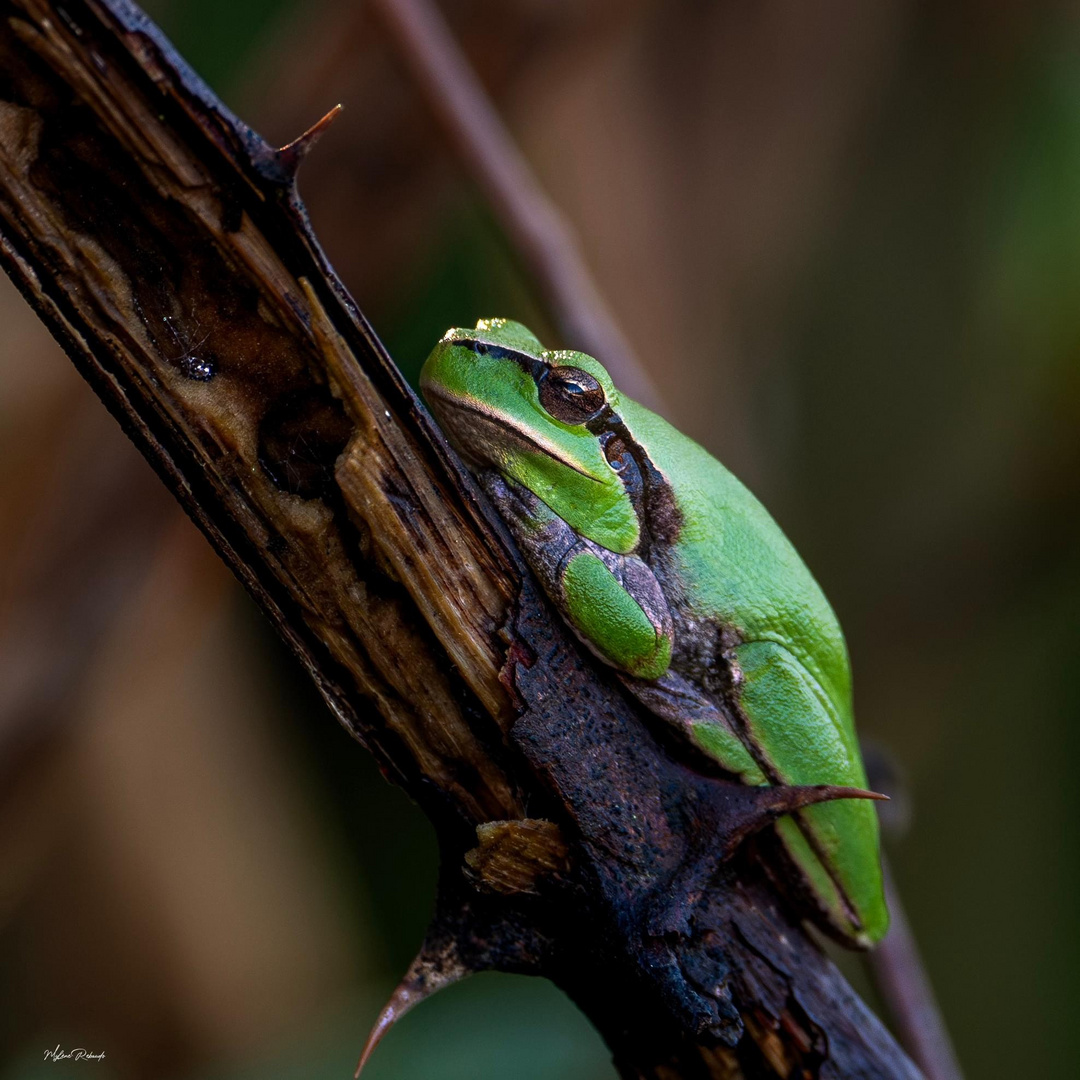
{"type": "Point", "coordinates": [611, 621]}
{"type": "Point", "coordinates": [790, 721]}
{"type": "Point", "coordinates": [791, 724]}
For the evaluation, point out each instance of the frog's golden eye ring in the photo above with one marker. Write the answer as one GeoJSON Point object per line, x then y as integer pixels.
{"type": "Point", "coordinates": [570, 395]}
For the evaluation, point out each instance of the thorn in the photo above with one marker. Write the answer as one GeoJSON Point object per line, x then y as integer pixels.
{"type": "Point", "coordinates": [427, 975]}
{"type": "Point", "coordinates": [292, 154]}
{"type": "Point", "coordinates": [807, 795]}
{"type": "Point", "coordinates": [763, 805]}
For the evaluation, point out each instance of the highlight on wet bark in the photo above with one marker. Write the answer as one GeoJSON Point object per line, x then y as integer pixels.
{"type": "Point", "coordinates": [164, 245]}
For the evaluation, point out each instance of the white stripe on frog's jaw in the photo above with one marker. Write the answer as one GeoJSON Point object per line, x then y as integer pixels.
{"type": "Point", "coordinates": [480, 433]}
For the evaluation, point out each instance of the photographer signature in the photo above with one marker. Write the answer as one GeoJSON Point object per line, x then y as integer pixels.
{"type": "Point", "coordinates": [78, 1054]}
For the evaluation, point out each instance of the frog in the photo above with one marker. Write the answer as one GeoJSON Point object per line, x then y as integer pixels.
{"type": "Point", "coordinates": [672, 573]}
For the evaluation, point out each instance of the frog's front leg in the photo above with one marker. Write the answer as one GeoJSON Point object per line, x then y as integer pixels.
{"type": "Point", "coordinates": [613, 602]}
{"type": "Point", "coordinates": [616, 606]}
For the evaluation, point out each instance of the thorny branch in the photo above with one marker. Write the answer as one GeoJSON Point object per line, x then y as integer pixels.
{"type": "Point", "coordinates": [903, 984]}
{"type": "Point", "coordinates": [163, 243]}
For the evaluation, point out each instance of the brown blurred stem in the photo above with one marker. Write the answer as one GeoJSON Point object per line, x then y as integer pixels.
{"type": "Point", "coordinates": [537, 229]}
{"type": "Point", "coordinates": [164, 245]}
{"type": "Point", "coordinates": [904, 986]}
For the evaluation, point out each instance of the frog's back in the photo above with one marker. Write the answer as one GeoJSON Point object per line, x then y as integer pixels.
{"type": "Point", "coordinates": [740, 565]}
{"type": "Point", "coordinates": [795, 684]}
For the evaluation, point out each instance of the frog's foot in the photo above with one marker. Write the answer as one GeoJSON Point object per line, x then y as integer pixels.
{"type": "Point", "coordinates": [736, 801]}
{"type": "Point", "coordinates": [613, 602]}
{"type": "Point", "coordinates": [676, 701]}
{"type": "Point", "coordinates": [706, 733]}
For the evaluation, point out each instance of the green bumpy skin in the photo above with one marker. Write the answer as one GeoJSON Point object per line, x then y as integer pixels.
{"type": "Point", "coordinates": [604, 612]}
{"type": "Point", "coordinates": [728, 566]}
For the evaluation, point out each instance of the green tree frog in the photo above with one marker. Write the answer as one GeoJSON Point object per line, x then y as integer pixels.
{"type": "Point", "coordinates": [669, 570]}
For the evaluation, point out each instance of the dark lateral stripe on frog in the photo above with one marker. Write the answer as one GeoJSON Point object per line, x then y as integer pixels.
{"type": "Point", "coordinates": [653, 499]}
{"type": "Point", "coordinates": [534, 366]}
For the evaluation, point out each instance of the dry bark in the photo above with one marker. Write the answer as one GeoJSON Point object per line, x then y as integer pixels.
{"type": "Point", "coordinates": [164, 245]}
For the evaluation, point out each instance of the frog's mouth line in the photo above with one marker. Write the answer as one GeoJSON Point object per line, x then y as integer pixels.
{"type": "Point", "coordinates": [479, 433]}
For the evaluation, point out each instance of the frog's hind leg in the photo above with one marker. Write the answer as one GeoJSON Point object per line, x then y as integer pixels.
{"type": "Point", "coordinates": [726, 814]}
{"type": "Point", "coordinates": [728, 809]}
{"type": "Point", "coordinates": [835, 849]}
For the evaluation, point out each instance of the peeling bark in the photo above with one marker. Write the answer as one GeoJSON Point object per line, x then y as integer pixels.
{"type": "Point", "coordinates": [164, 245]}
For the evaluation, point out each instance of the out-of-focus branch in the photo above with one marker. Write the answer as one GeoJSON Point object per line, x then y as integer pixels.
{"type": "Point", "coordinates": [904, 986]}
{"type": "Point", "coordinates": [162, 242]}
{"type": "Point", "coordinates": [539, 232]}
{"type": "Point", "coordinates": [896, 966]}
{"type": "Point", "coordinates": [380, 183]}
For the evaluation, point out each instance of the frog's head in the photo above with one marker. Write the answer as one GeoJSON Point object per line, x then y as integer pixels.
{"type": "Point", "coordinates": [542, 419]}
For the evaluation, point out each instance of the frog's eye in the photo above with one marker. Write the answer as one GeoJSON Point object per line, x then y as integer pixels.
{"type": "Point", "coordinates": [571, 395]}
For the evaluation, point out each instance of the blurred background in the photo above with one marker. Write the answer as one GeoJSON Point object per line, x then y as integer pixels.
{"type": "Point", "coordinates": [845, 238]}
